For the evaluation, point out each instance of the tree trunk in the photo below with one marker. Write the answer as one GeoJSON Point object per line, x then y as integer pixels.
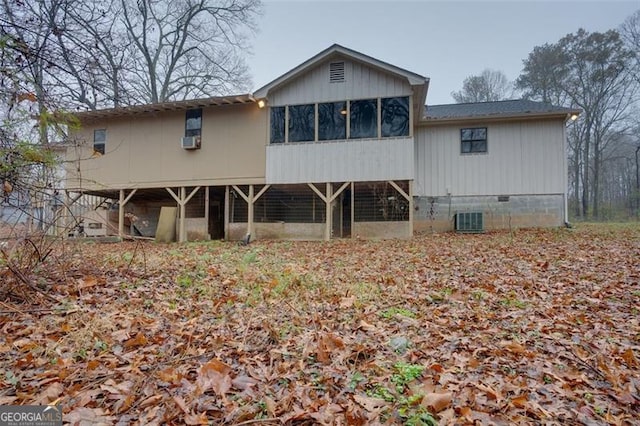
{"type": "Point", "coordinates": [586, 187]}
{"type": "Point", "coordinates": [596, 179]}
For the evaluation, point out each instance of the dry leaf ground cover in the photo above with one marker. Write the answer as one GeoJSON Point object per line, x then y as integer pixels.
{"type": "Point", "coordinates": [529, 327]}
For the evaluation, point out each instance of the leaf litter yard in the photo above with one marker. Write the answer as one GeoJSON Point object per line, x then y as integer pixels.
{"type": "Point", "coordinates": [530, 327]}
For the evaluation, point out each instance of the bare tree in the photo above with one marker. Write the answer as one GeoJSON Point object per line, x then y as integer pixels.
{"type": "Point", "coordinates": [188, 48]}
{"type": "Point", "coordinates": [96, 54]}
{"type": "Point", "coordinates": [630, 32]}
{"type": "Point", "coordinates": [490, 85]}
{"type": "Point", "coordinates": [591, 71]}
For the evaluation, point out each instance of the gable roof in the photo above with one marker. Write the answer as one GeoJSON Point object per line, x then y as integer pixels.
{"type": "Point", "coordinates": [419, 83]}
{"type": "Point", "coordinates": [500, 109]}
{"type": "Point", "coordinates": [338, 50]}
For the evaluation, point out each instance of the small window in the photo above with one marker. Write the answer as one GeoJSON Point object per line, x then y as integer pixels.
{"type": "Point", "coordinates": [277, 124]}
{"type": "Point", "coordinates": [302, 123]}
{"type": "Point", "coordinates": [395, 117]}
{"type": "Point", "coordinates": [99, 140]}
{"type": "Point", "coordinates": [332, 121]}
{"type": "Point", "coordinates": [364, 119]}
{"type": "Point", "coordinates": [193, 122]}
{"type": "Point", "coordinates": [473, 140]}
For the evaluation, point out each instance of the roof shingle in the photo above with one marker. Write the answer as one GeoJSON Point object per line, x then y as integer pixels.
{"type": "Point", "coordinates": [516, 107]}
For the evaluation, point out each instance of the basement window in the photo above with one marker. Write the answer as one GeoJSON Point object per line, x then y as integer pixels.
{"type": "Point", "coordinates": [473, 140]}
{"type": "Point", "coordinates": [99, 141]}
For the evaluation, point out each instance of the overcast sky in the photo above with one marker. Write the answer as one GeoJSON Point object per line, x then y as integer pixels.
{"type": "Point", "coordinates": [445, 41]}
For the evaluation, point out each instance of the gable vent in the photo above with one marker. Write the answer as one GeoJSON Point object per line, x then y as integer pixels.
{"type": "Point", "coordinates": [336, 72]}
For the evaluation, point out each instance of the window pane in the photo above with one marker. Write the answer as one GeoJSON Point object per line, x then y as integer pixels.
{"type": "Point", "coordinates": [302, 123]}
{"type": "Point", "coordinates": [99, 140]}
{"type": "Point", "coordinates": [193, 122]}
{"type": "Point", "coordinates": [479, 134]}
{"type": "Point", "coordinates": [466, 134]}
{"type": "Point", "coordinates": [99, 136]}
{"type": "Point", "coordinates": [277, 124]}
{"type": "Point", "coordinates": [466, 147]}
{"type": "Point", "coordinates": [479, 146]}
{"type": "Point", "coordinates": [395, 117]}
{"type": "Point", "coordinates": [364, 119]}
{"type": "Point", "coordinates": [332, 121]}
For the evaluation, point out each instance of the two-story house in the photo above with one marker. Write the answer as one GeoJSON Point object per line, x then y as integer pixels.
{"type": "Point", "coordinates": [343, 145]}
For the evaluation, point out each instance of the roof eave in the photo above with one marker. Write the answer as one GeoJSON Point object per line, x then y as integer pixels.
{"type": "Point", "coordinates": [566, 115]}
{"type": "Point", "coordinates": [164, 107]}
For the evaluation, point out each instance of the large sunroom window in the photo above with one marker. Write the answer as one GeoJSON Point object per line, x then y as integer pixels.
{"type": "Point", "coordinates": [302, 119]}
{"type": "Point", "coordinates": [395, 117]}
{"type": "Point", "coordinates": [332, 121]}
{"type": "Point", "coordinates": [356, 119]}
{"type": "Point", "coordinates": [364, 119]}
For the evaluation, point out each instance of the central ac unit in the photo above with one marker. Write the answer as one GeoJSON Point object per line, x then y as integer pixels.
{"type": "Point", "coordinates": [469, 222]}
{"type": "Point", "coordinates": [190, 142]}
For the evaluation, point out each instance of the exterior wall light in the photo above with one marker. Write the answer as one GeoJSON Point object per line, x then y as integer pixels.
{"type": "Point", "coordinates": [261, 103]}
{"type": "Point", "coordinates": [574, 117]}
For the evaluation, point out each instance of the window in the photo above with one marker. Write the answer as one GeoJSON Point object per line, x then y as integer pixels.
{"type": "Point", "coordinates": [277, 124]}
{"type": "Point", "coordinates": [395, 117]}
{"type": "Point", "coordinates": [332, 121]}
{"type": "Point", "coordinates": [302, 123]}
{"type": "Point", "coordinates": [364, 119]}
{"type": "Point", "coordinates": [473, 140]}
{"type": "Point", "coordinates": [193, 122]}
{"type": "Point", "coordinates": [99, 140]}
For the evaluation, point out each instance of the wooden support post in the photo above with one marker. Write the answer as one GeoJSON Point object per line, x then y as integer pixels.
{"type": "Point", "coordinates": [226, 212]}
{"type": "Point", "coordinates": [182, 199]}
{"type": "Point", "coordinates": [121, 215]}
{"type": "Point", "coordinates": [250, 212]}
{"type": "Point", "coordinates": [206, 209]}
{"type": "Point", "coordinates": [183, 210]}
{"type": "Point", "coordinates": [411, 209]}
{"type": "Point", "coordinates": [328, 215]}
{"type": "Point", "coordinates": [353, 209]}
{"type": "Point", "coordinates": [122, 201]}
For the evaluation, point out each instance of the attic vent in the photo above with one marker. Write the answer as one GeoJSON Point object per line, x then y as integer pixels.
{"type": "Point", "coordinates": [336, 72]}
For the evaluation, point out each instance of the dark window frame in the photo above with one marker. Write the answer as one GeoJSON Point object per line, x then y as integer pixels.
{"type": "Point", "coordinates": [390, 127]}
{"type": "Point", "coordinates": [277, 135]}
{"type": "Point", "coordinates": [189, 128]}
{"type": "Point", "coordinates": [335, 114]}
{"type": "Point", "coordinates": [300, 117]}
{"type": "Point", "coordinates": [99, 142]}
{"type": "Point", "coordinates": [357, 128]}
{"type": "Point", "coordinates": [474, 140]}
{"type": "Point", "coordinates": [387, 125]}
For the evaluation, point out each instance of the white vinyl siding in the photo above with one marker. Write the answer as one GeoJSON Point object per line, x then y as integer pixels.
{"type": "Point", "coordinates": [522, 158]}
{"type": "Point", "coordinates": [354, 160]}
{"type": "Point", "coordinates": [361, 82]}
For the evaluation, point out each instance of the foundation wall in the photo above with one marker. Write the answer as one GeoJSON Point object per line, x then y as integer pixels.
{"type": "Point", "coordinates": [196, 228]}
{"type": "Point", "coordinates": [383, 230]}
{"type": "Point", "coordinates": [290, 231]}
{"type": "Point", "coordinates": [437, 214]}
